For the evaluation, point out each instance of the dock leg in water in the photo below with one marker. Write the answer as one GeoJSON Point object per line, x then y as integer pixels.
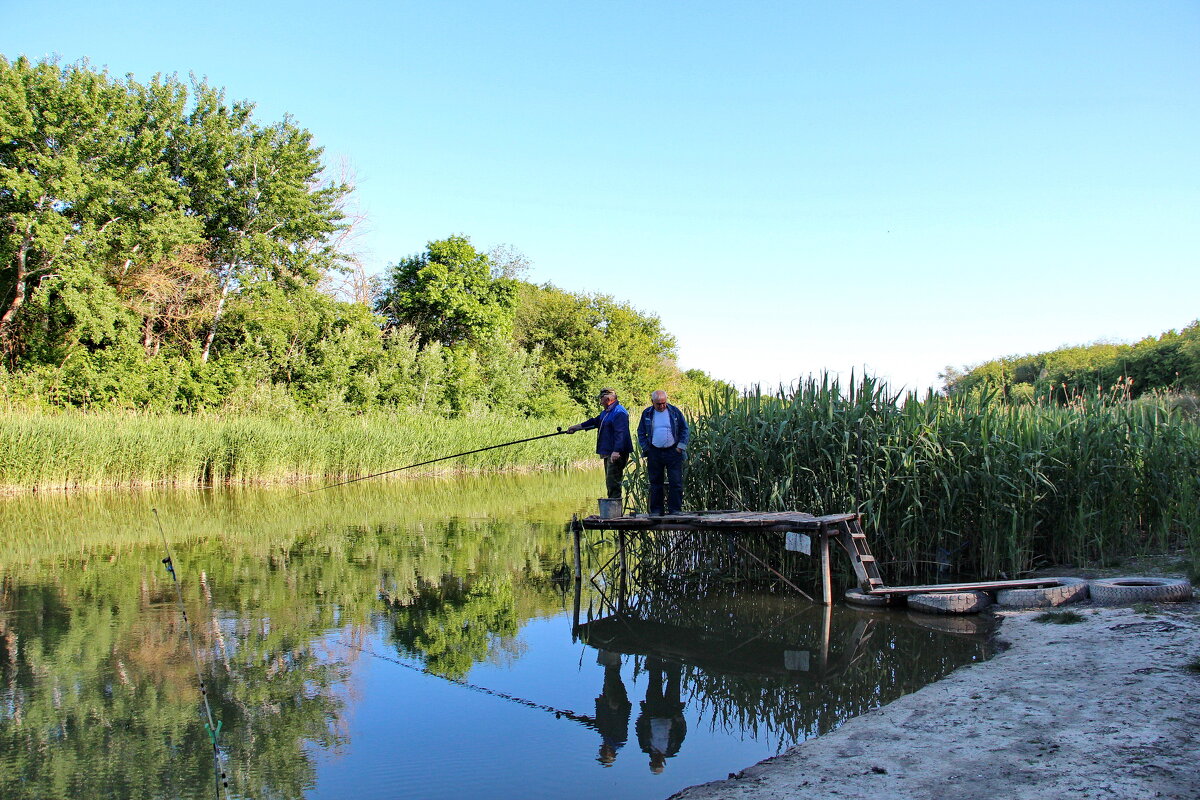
{"type": "Point", "coordinates": [826, 578]}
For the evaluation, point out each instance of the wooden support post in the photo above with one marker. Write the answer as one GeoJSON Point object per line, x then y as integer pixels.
{"type": "Point", "coordinates": [575, 614]}
{"type": "Point", "coordinates": [622, 589]}
{"type": "Point", "coordinates": [577, 531]}
{"type": "Point", "coordinates": [826, 627]}
{"type": "Point", "coordinates": [826, 577]}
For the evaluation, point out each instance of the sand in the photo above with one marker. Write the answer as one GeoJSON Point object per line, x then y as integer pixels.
{"type": "Point", "coordinates": [1105, 708]}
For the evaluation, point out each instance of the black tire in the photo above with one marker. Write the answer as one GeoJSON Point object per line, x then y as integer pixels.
{"type": "Point", "coordinates": [869, 600]}
{"type": "Point", "coordinates": [949, 602]}
{"type": "Point", "coordinates": [1119, 591]}
{"type": "Point", "coordinates": [1067, 590]}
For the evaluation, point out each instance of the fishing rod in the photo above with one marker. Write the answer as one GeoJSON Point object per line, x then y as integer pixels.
{"type": "Point", "coordinates": [211, 726]}
{"type": "Point", "coordinates": [557, 432]}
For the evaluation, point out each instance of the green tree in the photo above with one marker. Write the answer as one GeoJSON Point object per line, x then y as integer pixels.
{"type": "Point", "coordinates": [82, 180]}
{"type": "Point", "coordinates": [449, 294]}
{"type": "Point", "coordinates": [587, 340]}
{"type": "Point", "coordinates": [257, 189]}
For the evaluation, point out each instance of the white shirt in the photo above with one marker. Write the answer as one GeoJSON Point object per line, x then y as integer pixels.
{"type": "Point", "coordinates": [660, 429]}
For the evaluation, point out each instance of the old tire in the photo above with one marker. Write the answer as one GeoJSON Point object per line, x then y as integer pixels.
{"type": "Point", "coordinates": [869, 600]}
{"type": "Point", "coordinates": [949, 602]}
{"type": "Point", "coordinates": [1119, 591]}
{"type": "Point", "coordinates": [1068, 590]}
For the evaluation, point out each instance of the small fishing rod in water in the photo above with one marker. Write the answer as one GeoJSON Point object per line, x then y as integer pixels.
{"type": "Point", "coordinates": [557, 432]}
{"type": "Point", "coordinates": [212, 727]}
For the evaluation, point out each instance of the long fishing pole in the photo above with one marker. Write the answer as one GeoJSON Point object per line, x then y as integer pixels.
{"type": "Point", "coordinates": [211, 726]}
{"type": "Point", "coordinates": [558, 432]}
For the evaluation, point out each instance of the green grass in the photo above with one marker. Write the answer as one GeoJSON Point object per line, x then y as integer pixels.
{"type": "Point", "coordinates": [47, 450]}
{"type": "Point", "coordinates": [1059, 617]}
{"type": "Point", "coordinates": [991, 489]}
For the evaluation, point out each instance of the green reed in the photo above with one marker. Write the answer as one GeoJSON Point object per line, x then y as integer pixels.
{"type": "Point", "coordinates": [975, 485]}
{"type": "Point", "coordinates": [44, 450]}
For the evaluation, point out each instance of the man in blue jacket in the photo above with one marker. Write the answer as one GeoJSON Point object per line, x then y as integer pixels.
{"type": "Point", "coordinates": [663, 436]}
{"type": "Point", "coordinates": [612, 439]}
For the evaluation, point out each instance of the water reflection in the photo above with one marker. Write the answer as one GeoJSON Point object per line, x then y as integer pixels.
{"type": "Point", "coordinates": [612, 708]}
{"type": "Point", "coordinates": [661, 727]}
{"type": "Point", "coordinates": [772, 666]}
{"type": "Point", "coordinates": [388, 642]}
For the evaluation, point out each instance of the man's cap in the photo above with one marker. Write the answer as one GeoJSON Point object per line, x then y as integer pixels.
{"type": "Point", "coordinates": [606, 393]}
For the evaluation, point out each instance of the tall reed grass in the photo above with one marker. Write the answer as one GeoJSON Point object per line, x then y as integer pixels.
{"type": "Point", "coordinates": [45, 449]}
{"type": "Point", "coordinates": [973, 485]}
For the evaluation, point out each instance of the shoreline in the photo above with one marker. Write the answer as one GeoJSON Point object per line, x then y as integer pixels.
{"type": "Point", "coordinates": [1104, 708]}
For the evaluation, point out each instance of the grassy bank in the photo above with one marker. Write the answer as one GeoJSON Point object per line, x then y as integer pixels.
{"type": "Point", "coordinates": [49, 450]}
{"type": "Point", "coordinates": [975, 486]}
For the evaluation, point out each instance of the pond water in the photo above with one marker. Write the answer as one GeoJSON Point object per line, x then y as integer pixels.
{"type": "Point", "coordinates": [399, 640]}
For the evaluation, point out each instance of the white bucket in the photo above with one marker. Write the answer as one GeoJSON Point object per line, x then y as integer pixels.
{"type": "Point", "coordinates": [610, 507]}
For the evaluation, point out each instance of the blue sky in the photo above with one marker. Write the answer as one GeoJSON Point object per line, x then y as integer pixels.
{"type": "Point", "coordinates": [790, 186]}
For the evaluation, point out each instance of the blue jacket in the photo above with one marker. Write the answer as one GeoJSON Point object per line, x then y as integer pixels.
{"type": "Point", "coordinates": [679, 427]}
{"type": "Point", "coordinates": [613, 436]}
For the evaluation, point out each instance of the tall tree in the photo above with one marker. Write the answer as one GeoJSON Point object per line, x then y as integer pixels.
{"type": "Point", "coordinates": [448, 294]}
{"type": "Point", "coordinates": [587, 340]}
{"type": "Point", "coordinates": [145, 187]}
{"type": "Point", "coordinates": [266, 214]}
{"type": "Point", "coordinates": [81, 178]}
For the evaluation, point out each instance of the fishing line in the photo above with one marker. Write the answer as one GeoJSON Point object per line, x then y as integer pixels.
{"type": "Point", "coordinates": [213, 728]}
{"type": "Point", "coordinates": [558, 432]}
{"type": "Point", "coordinates": [574, 716]}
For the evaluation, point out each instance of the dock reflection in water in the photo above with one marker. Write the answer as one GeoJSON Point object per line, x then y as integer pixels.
{"type": "Point", "coordinates": [770, 666]}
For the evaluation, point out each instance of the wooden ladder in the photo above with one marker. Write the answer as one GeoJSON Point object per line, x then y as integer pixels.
{"type": "Point", "coordinates": [851, 536]}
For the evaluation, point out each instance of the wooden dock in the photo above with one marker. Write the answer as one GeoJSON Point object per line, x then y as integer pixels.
{"type": "Point", "coordinates": [817, 533]}
{"type": "Point", "coordinates": [845, 529]}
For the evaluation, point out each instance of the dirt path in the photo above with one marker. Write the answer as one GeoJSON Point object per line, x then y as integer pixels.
{"type": "Point", "coordinates": [1106, 708]}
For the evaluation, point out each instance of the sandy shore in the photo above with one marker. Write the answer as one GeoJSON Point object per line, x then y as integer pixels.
{"type": "Point", "coordinates": [1105, 708]}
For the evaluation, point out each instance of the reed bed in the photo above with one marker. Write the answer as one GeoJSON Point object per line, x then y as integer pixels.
{"type": "Point", "coordinates": [47, 450]}
{"type": "Point", "coordinates": [971, 487]}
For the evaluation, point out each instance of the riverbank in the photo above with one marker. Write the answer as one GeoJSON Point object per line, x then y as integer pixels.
{"type": "Point", "coordinates": [1105, 708]}
{"type": "Point", "coordinates": [113, 449]}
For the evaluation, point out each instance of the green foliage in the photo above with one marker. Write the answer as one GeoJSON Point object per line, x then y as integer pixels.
{"type": "Point", "coordinates": [162, 250]}
{"type": "Point", "coordinates": [1170, 362]}
{"type": "Point", "coordinates": [448, 294]}
{"type": "Point", "coordinates": [589, 341]}
{"type": "Point", "coordinates": [991, 488]}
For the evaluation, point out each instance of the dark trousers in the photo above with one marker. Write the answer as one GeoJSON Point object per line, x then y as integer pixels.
{"type": "Point", "coordinates": [612, 475]}
{"type": "Point", "coordinates": [667, 460]}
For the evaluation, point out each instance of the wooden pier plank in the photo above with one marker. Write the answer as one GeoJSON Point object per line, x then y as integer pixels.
{"type": "Point", "coordinates": [973, 586]}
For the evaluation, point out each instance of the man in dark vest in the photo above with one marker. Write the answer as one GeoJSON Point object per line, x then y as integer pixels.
{"type": "Point", "coordinates": [613, 443]}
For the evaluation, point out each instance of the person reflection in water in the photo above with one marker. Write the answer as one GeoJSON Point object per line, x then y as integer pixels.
{"type": "Point", "coordinates": [660, 726]}
{"type": "Point", "coordinates": [612, 709]}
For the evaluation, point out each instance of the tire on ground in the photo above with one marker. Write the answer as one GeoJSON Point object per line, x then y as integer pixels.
{"type": "Point", "coordinates": [1117, 591]}
{"type": "Point", "coordinates": [1067, 590]}
{"type": "Point", "coordinates": [949, 602]}
{"type": "Point", "coordinates": [870, 600]}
